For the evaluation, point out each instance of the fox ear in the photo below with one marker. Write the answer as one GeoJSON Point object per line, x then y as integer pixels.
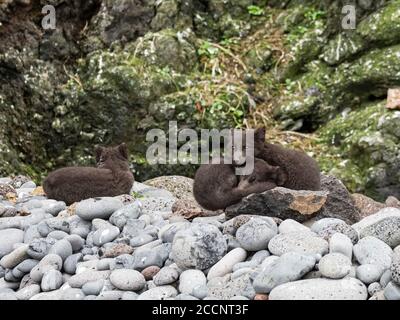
{"type": "Point", "coordinates": [123, 150]}
{"type": "Point", "coordinates": [98, 151]}
{"type": "Point", "coordinates": [280, 176]}
{"type": "Point", "coordinates": [259, 134]}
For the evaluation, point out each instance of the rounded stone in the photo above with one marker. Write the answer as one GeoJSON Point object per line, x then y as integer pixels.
{"type": "Point", "coordinates": [71, 262]}
{"type": "Point", "coordinates": [131, 211]}
{"type": "Point", "coordinates": [255, 234]}
{"type": "Point", "coordinates": [105, 235]}
{"type": "Point", "coordinates": [200, 246]}
{"type": "Point", "coordinates": [28, 292]}
{"type": "Point", "coordinates": [93, 287]}
{"type": "Point", "coordinates": [62, 248]}
{"type": "Point", "coordinates": [370, 250]}
{"type": "Point", "coordinates": [369, 273]}
{"type": "Point", "coordinates": [128, 280]}
{"type": "Point", "coordinates": [226, 264]}
{"type": "Point", "coordinates": [9, 237]}
{"type": "Point", "coordinates": [166, 275]}
{"type": "Point", "coordinates": [191, 279]}
{"type": "Point", "coordinates": [159, 293]}
{"type": "Point", "coordinates": [101, 208]}
{"type": "Point", "coordinates": [15, 257]}
{"type": "Point", "coordinates": [52, 280]}
{"type": "Point", "coordinates": [301, 242]}
{"type": "Point", "coordinates": [321, 289]}
{"type": "Point", "coordinates": [374, 288]}
{"type": "Point", "coordinates": [290, 225]}
{"type": "Point", "coordinates": [335, 266]}
{"type": "Point", "coordinates": [395, 266]}
{"type": "Point", "coordinates": [392, 291]}
{"type": "Point", "coordinates": [150, 272]}
{"type": "Point", "coordinates": [340, 243]}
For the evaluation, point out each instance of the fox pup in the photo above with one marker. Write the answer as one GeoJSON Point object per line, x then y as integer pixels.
{"type": "Point", "coordinates": [112, 177]}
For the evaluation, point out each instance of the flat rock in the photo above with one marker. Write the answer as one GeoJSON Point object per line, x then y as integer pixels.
{"type": "Point", "coordinates": [289, 267]}
{"type": "Point", "coordinates": [101, 208]}
{"type": "Point", "coordinates": [384, 225]}
{"type": "Point", "coordinates": [300, 242]}
{"type": "Point", "coordinates": [128, 280]}
{"type": "Point", "coordinates": [224, 288]}
{"type": "Point", "coordinates": [281, 203]}
{"type": "Point", "coordinates": [321, 289]}
{"type": "Point", "coordinates": [78, 280]}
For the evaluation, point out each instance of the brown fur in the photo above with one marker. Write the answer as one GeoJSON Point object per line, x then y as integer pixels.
{"type": "Point", "coordinates": [301, 172]}
{"type": "Point", "coordinates": [216, 185]}
{"type": "Point", "coordinates": [112, 177]}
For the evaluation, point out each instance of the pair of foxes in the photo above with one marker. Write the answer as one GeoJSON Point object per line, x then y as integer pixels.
{"type": "Point", "coordinates": [215, 185]}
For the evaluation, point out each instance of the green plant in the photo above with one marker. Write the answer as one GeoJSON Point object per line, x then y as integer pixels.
{"type": "Point", "coordinates": [207, 49]}
{"type": "Point", "coordinates": [255, 10]}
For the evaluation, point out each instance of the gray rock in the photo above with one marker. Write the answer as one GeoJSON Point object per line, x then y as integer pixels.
{"type": "Point", "coordinates": [79, 226]}
{"type": "Point", "coordinates": [78, 280]}
{"type": "Point", "coordinates": [49, 262]}
{"type": "Point", "coordinates": [133, 228]}
{"type": "Point", "coordinates": [159, 293]}
{"type": "Point", "coordinates": [255, 234]}
{"type": "Point", "coordinates": [76, 241]}
{"type": "Point", "coordinates": [57, 235]}
{"type": "Point", "coordinates": [141, 239]}
{"type": "Point", "coordinates": [395, 266]}
{"type": "Point", "coordinates": [167, 232]}
{"type": "Point", "coordinates": [9, 237]}
{"type": "Point", "coordinates": [161, 204]}
{"type": "Point", "coordinates": [128, 280]}
{"type": "Point", "coordinates": [129, 296]}
{"type": "Point", "coordinates": [290, 266]}
{"type": "Point", "coordinates": [93, 287]}
{"type": "Point", "coordinates": [53, 207]}
{"type": "Point", "coordinates": [124, 261]}
{"type": "Point", "coordinates": [370, 250]}
{"type": "Point", "coordinates": [72, 294]}
{"type": "Point", "coordinates": [31, 233]}
{"type": "Point", "coordinates": [191, 279]}
{"type": "Point", "coordinates": [321, 289]}
{"type": "Point", "coordinates": [62, 248]}
{"type": "Point", "coordinates": [384, 225]}
{"type": "Point", "coordinates": [200, 291]}
{"type": "Point", "coordinates": [183, 296]}
{"type": "Point", "coordinates": [25, 266]}
{"type": "Point", "coordinates": [52, 280]}
{"type": "Point", "coordinates": [385, 278]}
{"type": "Point", "coordinates": [15, 257]}
{"type": "Point", "coordinates": [105, 235]}
{"type": "Point", "coordinates": [282, 203]}
{"type": "Point", "coordinates": [369, 273]}
{"type": "Point", "coordinates": [339, 203]}
{"type": "Point", "coordinates": [166, 275]}
{"type": "Point", "coordinates": [53, 224]}
{"type": "Point", "coordinates": [224, 288]}
{"type": "Point", "coordinates": [290, 225]}
{"type": "Point", "coordinates": [392, 291]}
{"type": "Point", "coordinates": [131, 211]}
{"type": "Point", "coordinates": [147, 258]}
{"type": "Point", "coordinates": [374, 287]}
{"type": "Point", "coordinates": [71, 262]}
{"type": "Point", "coordinates": [335, 266]}
{"type": "Point", "coordinates": [301, 242]}
{"type": "Point", "coordinates": [199, 246]}
{"type": "Point", "coordinates": [327, 227]}
{"type": "Point", "coordinates": [340, 243]}
{"type": "Point", "coordinates": [104, 264]}
{"type": "Point", "coordinates": [225, 265]}
{"type": "Point", "coordinates": [28, 292]}
{"type": "Point", "coordinates": [38, 248]}
{"type": "Point", "coordinates": [8, 296]}
{"type": "Point", "coordinates": [102, 208]}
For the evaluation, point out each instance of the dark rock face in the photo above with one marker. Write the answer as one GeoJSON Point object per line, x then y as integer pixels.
{"type": "Point", "coordinates": [339, 203]}
{"type": "Point", "coordinates": [281, 203]}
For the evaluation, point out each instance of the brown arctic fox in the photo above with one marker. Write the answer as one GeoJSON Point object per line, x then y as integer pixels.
{"type": "Point", "coordinates": [216, 185]}
{"type": "Point", "coordinates": [112, 177]}
{"type": "Point", "coordinates": [299, 171]}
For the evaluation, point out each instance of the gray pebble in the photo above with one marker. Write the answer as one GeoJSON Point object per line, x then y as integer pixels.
{"type": "Point", "coordinates": [127, 279]}
{"type": "Point", "coordinates": [62, 248]}
{"type": "Point", "coordinates": [71, 262]}
{"type": "Point", "coordinates": [105, 235]}
{"type": "Point", "coordinates": [166, 275]}
{"type": "Point", "coordinates": [369, 273]}
{"type": "Point", "coordinates": [52, 280]}
{"type": "Point", "coordinates": [255, 234]}
{"type": "Point", "coordinates": [93, 287]}
{"type": "Point", "coordinates": [335, 266]}
{"type": "Point", "coordinates": [28, 292]}
{"type": "Point", "coordinates": [392, 291]}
